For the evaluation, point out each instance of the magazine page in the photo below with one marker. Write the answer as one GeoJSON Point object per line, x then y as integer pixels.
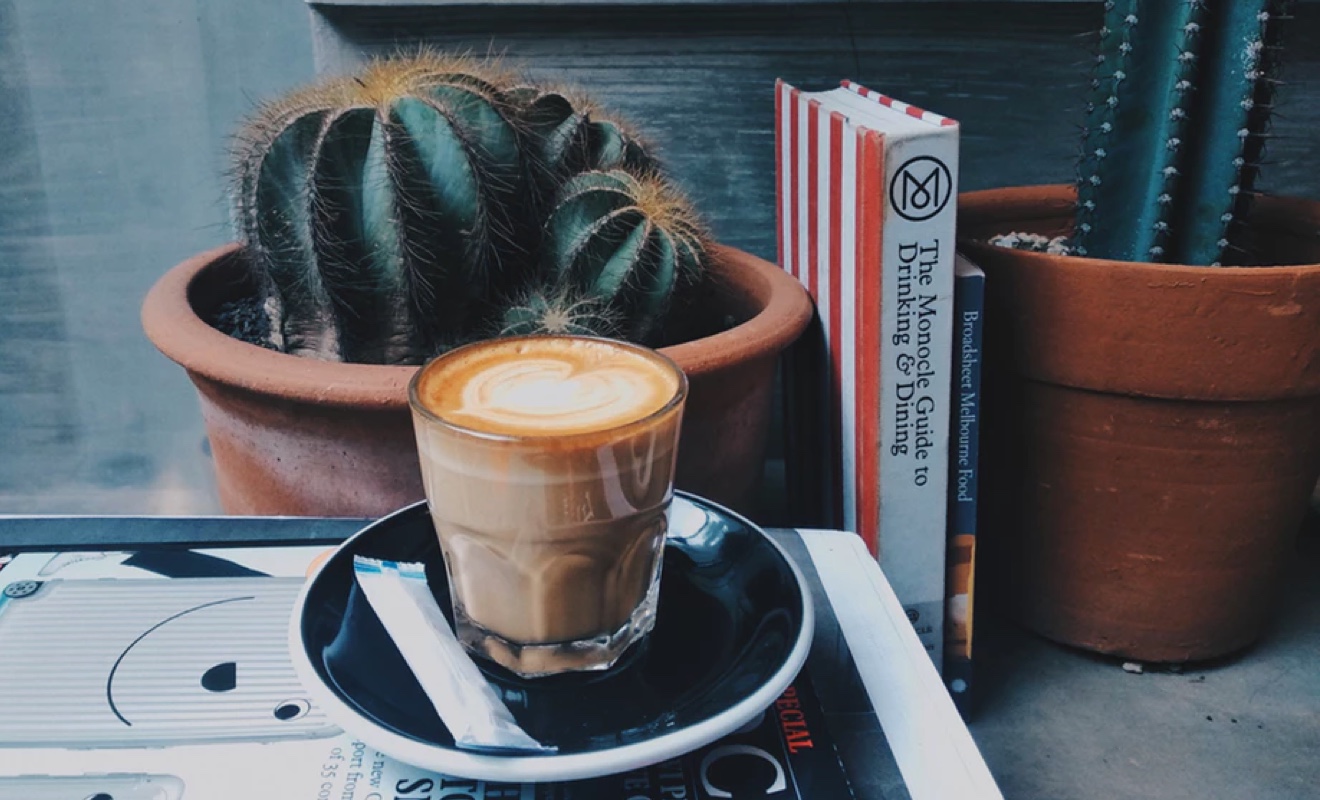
{"type": "Point", "coordinates": [163, 674]}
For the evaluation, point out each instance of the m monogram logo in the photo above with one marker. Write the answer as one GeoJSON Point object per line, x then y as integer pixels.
{"type": "Point", "coordinates": [921, 188]}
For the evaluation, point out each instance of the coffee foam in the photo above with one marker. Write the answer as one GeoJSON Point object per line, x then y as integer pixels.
{"type": "Point", "coordinates": [530, 387]}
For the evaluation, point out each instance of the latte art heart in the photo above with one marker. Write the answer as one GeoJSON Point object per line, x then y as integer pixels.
{"type": "Point", "coordinates": [555, 392]}
{"type": "Point", "coordinates": [550, 387]}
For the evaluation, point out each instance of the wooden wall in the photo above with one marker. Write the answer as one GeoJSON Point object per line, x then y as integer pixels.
{"type": "Point", "coordinates": [699, 78]}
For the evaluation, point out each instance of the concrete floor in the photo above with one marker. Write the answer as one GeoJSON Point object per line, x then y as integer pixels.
{"type": "Point", "coordinates": [113, 132]}
{"type": "Point", "coordinates": [1057, 723]}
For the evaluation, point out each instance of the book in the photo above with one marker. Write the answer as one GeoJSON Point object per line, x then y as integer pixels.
{"type": "Point", "coordinates": [866, 211]}
{"type": "Point", "coordinates": [199, 734]}
{"type": "Point", "coordinates": [964, 472]}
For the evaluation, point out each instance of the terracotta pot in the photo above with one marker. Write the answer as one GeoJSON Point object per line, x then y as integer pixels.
{"type": "Point", "coordinates": [1152, 432]}
{"type": "Point", "coordinates": [295, 436]}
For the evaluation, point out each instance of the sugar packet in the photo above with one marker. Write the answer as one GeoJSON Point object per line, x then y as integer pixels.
{"type": "Point", "coordinates": [467, 704]}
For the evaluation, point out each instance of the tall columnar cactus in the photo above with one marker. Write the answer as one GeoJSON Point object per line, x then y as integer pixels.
{"type": "Point", "coordinates": [616, 249]}
{"type": "Point", "coordinates": [388, 216]}
{"type": "Point", "coordinates": [1175, 126]}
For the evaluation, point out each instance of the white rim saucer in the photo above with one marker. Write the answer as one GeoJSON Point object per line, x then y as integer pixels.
{"type": "Point", "coordinates": [552, 767]}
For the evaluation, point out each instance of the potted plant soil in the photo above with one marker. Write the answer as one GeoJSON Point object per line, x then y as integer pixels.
{"type": "Point", "coordinates": [1152, 415]}
{"type": "Point", "coordinates": [427, 202]}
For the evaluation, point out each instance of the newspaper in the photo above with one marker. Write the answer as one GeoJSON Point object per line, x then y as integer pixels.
{"type": "Point", "coordinates": [163, 674]}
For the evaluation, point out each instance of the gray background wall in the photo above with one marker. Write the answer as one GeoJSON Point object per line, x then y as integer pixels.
{"type": "Point", "coordinates": [113, 126]}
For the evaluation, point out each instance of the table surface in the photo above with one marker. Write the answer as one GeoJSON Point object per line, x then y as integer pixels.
{"type": "Point", "coordinates": [1051, 722]}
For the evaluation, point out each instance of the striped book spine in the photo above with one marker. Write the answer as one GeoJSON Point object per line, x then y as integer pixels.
{"type": "Point", "coordinates": [830, 206]}
{"type": "Point", "coordinates": [866, 194]}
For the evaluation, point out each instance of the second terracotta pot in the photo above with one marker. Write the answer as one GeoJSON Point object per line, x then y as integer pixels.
{"type": "Point", "coordinates": [1151, 432]}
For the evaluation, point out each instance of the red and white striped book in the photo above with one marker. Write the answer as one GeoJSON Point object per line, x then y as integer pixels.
{"type": "Point", "coordinates": [867, 189]}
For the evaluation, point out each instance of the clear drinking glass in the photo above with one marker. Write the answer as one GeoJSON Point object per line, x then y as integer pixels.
{"type": "Point", "coordinates": [552, 539]}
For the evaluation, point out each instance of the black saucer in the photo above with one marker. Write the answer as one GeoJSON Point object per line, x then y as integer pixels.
{"type": "Point", "coordinates": [733, 628]}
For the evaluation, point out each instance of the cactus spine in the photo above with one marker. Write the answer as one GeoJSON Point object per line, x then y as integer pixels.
{"type": "Point", "coordinates": [391, 215]}
{"type": "Point", "coordinates": [1174, 128]}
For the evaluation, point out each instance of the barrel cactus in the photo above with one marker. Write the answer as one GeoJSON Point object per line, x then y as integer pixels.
{"type": "Point", "coordinates": [391, 215]}
{"type": "Point", "coordinates": [616, 246]}
{"type": "Point", "coordinates": [1181, 99]}
{"type": "Point", "coordinates": [570, 134]}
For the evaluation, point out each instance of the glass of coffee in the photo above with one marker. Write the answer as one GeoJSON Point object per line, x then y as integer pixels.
{"type": "Point", "coordinates": [548, 463]}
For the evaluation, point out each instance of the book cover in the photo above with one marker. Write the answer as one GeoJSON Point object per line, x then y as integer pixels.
{"type": "Point", "coordinates": [969, 312]}
{"type": "Point", "coordinates": [217, 712]}
{"type": "Point", "coordinates": [866, 221]}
